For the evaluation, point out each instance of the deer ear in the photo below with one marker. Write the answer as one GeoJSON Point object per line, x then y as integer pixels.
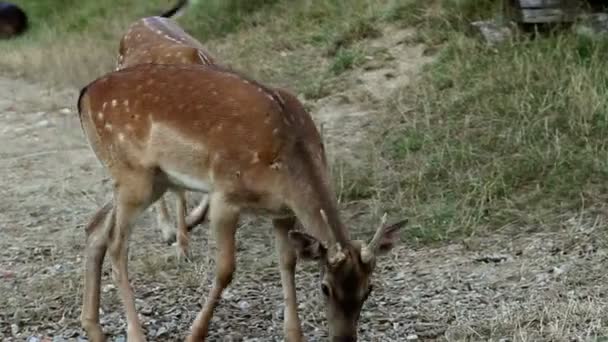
{"type": "Point", "coordinates": [307, 246]}
{"type": "Point", "coordinates": [389, 237]}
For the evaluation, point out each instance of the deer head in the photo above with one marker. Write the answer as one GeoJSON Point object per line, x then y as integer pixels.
{"type": "Point", "coordinates": [345, 274]}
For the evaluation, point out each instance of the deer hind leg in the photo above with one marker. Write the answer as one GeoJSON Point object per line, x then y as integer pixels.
{"type": "Point", "coordinates": [287, 266]}
{"type": "Point", "coordinates": [224, 221]}
{"type": "Point", "coordinates": [167, 229]}
{"type": "Point", "coordinates": [97, 235]}
{"type": "Point", "coordinates": [182, 228]}
{"type": "Point", "coordinates": [133, 194]}
{"type": "Point", "coordinates": [198, 215]}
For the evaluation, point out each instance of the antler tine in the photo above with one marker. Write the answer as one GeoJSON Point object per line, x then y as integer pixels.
{"type": "Point", "coordinates": [368, 252]}
{"type": "Point", "coordinates": [337, 257]}
{"type": "Point", "coordinates": [379, 232]}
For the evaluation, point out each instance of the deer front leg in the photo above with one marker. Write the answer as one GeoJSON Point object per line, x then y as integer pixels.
{"type": "Point", "coordinates": [224, 220]}
{"type": "Point", "coordinates": [97, 232]}
{"type": "Point", "coordinates": [287, 265]}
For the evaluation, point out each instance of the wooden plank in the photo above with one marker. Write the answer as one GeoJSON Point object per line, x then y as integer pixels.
{"type": "Point", "coordinates": [544, 15]}
{"type": "Point", "coordinates": [540, 3]}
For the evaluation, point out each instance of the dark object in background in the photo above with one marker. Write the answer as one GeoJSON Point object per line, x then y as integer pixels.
{"type": "Point", "coordinates": [13, 20]}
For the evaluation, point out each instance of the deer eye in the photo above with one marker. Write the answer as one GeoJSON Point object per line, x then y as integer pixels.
{"type": "Point", "coordinates": [325, 290]}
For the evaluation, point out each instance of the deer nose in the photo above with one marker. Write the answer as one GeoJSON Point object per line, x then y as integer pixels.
{"type": "Point", "coordinates": [345, 339]}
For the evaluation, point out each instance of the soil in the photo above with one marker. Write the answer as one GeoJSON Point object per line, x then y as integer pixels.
{"type": "Point", "coordinates": [519, 285]}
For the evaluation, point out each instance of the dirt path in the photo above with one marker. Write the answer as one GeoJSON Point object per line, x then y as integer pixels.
{"type": "Point", "coordinates": [530, 286]}
{"type": "Point", "coordinates": [344, 115]}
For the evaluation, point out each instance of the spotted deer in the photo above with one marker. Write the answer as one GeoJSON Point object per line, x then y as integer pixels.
{"type": "Point", "coordinates": [158, 39]}
{"type": "Point", "coordinates": [252, 150]}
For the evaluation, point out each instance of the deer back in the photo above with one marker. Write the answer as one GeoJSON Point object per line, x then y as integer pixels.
{"type": "Point", "coordinates": [204, 121]}
{"type": "Point", "coordinates": [160, 40]}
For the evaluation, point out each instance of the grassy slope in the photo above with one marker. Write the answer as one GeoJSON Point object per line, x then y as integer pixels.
{"type": "Point", "coordinates": [487, 138]}
{"type": "Point", "coordinates": [513, 136]}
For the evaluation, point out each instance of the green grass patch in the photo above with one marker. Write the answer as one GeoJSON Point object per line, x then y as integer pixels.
{"type": "Point", "coordinates": [513, 136]}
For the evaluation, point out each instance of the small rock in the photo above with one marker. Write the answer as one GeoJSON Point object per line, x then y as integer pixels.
{"type": "Point", "coordinates": [43, 123]}
{"type": "Point", "coordinates": [412, 337]}
{"type": "Point", "coordinates": [65, 111]}
{"type": "Point", "coordinates": [33, 339]}
{"type": "Point", "coordinates": [492, 258]}
{"type": "Point", "coordinates": [108, 287]}
{"type": "Point", "coordinates": [492, 32]}
{"type": "Point", "coordinates": [14, 329]}
{"type": "Point", "coordinates": [58, 339]}
{"type": "Point", "coordinates": [161, 331]}
{"type": "Point", "coordinates": [244, 305]}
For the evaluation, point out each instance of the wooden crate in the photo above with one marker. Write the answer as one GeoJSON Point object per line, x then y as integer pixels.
{"type": "Point", "coordinates": [541, 11]}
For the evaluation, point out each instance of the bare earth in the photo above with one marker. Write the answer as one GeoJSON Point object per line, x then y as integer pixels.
{"type": "Point", "coordinates": [514, 286]}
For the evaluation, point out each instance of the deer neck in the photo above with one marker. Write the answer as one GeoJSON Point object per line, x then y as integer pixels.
{"type": "Point", "coordinates": [313, 200]}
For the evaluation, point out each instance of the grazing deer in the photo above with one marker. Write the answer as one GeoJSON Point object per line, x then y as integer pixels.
{"type": "Point", "coordinates": [252, 149]}
{"type": "Point", "coordinates": [13, 20]}
{"type": "Point", "coordinates": [160, 40]}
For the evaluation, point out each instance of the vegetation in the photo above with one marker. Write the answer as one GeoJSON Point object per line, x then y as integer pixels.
{"type": "Point", "coordinates": [487, 138]}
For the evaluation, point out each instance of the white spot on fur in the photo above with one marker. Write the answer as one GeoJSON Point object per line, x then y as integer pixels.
{"type": "Point", "coordinates": [104, 105]}
{"type": "Point", "coordinates": [276, 165]}
{"type": "Point", "coordinates": [275, 131]}
{"type": "Point", "coordinates": [114, 103]}
{"type": "Point", "coordinates": [280, 98]}
{"type": "Point", "coordinates": [214, 93]}
{"type": "Point", "coordinates": [121, 137]}
{"type": "Point", "coordinates": [100, 116]}
{"type": "Point", "coordinates": [128, 127]}
{"type": "Point", "coordinates": [256, 158]}
{"type": "Point", "coordinates": [108, 127]}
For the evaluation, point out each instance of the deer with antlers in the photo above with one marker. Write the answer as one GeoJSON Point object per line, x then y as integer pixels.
{"type": "Point", "coordinates": [252, 150]}
{"type": "Point", "coordinates": [159, 40]}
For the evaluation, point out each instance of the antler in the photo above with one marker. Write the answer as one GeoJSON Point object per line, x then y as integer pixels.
{"type": "Point", "coordinates": [369, 252]}
{"type": "Point", "coordinates": [336, 258]}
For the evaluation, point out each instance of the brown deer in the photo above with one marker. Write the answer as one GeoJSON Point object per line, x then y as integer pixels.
{"type": "Point", "coordinates": [253, 150]}
{"type": "Point", "coordinates": [160, 40]}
